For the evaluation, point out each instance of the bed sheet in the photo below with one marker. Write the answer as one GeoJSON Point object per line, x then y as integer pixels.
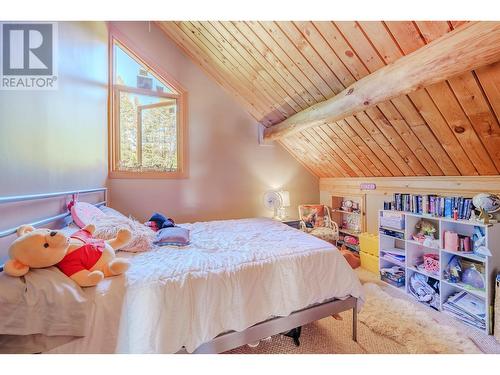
{"type": "Point", "coordinates": [234, 274]}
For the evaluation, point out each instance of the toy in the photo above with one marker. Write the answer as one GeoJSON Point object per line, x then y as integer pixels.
{"type": "Point", "coordinates": [84, 259]}
{"type": "Point", "coordinates": [426, 234]}
{"type": "Point", "coordinates": [159, 221]}
{"type": "Point", "coordinates": [426, 228]}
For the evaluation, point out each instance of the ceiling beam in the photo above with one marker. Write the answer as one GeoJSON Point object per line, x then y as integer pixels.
{"type": "Point", "coordinates": [468, 47]}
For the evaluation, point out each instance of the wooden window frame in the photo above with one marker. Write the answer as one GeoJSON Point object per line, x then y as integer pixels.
{"type": "Point", "coordinates": [113, 112]}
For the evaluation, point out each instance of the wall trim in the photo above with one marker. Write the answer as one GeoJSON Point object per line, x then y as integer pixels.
{"type": "Point", "coordinates": [467, 185]}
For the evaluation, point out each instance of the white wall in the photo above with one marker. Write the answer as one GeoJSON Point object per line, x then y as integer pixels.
{"type": "Point", "coordinates": [228, 170]}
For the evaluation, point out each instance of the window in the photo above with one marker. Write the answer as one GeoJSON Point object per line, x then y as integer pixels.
{"type": "Point", "coordinates": [147, 121]}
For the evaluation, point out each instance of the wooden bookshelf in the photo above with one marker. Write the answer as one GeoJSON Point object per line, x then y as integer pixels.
{"type": "Point", "coordinates": [355, 219]}
{"type": "Point", "coordinates": [413, 250]}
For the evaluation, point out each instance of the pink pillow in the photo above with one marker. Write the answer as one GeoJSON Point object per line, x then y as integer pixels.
{"type": "Point", "coordinates": [85, 213]}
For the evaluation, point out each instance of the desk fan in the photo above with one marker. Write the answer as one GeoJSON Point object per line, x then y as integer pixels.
{"type": "Point", "coordinates": [273, 201]}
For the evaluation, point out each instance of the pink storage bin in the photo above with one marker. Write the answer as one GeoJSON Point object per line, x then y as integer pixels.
{"type": "Point", "coordinates": [431, 263]}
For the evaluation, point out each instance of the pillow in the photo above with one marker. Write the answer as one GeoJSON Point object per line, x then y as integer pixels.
{"type": "Point", "coordinates": [176, 236]}
{"type": "Point", "coordinates": [108, 226]}
{"type": "Point", "coordinates": [314, 215]}
{"type": "Point", "coordinates": [84, 213]}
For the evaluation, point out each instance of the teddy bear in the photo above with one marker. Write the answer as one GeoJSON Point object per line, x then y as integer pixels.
{"type": "Point", "coordinates": [84, 259]}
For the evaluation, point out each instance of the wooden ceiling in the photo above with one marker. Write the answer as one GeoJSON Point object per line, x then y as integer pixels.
{"type": "Point", "coordinates": [276, 69]}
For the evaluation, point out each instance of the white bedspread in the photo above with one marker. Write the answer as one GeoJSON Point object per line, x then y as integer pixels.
{"type": "Point", "coordinates": [234, 274]}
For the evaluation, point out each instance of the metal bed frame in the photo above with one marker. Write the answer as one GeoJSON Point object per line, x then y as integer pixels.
{"type": "Point", "coordinates": [229, 340]}
{"type": "Point", "coordinates": [51, 219]}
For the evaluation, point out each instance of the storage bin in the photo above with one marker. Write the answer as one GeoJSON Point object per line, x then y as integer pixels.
{"type": "Point", "coordinates": [368, 243]}
{"type": "Point", "coordinates": [392, 220]}
{"type": "Point", "coordinates": [431, 263]}
{"type": "Point", "coordinates": [369, 262]}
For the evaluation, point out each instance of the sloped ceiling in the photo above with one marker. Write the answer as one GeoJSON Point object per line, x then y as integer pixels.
{"type": "Point", "coordinates": [275, 69]}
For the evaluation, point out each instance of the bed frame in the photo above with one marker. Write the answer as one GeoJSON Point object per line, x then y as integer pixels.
{"type": "Point", "coordinates": [229, 340]}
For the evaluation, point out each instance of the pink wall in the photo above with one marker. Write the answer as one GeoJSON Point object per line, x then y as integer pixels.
{"type": "Point", "coordinates": [228, 171]}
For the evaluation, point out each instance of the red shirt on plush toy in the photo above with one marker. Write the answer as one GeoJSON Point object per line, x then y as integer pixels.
{"type": "Point", "coordinates": [84, 257]}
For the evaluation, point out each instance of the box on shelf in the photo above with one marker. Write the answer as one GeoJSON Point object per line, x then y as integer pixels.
{"type": "Point", "coordinates": [392, 220]}
{"type": "Point", "coordinates": [369, 262]}
{"type": "Point", "coordinates": [431, 263]}
{"type": "Point", "coordinates": [394, 276]}
{"type": "Point", "coordinates": [368, 243]}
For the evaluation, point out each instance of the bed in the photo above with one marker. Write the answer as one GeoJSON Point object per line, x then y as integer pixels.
{"type": "Point", "coordinates": [237, 282]}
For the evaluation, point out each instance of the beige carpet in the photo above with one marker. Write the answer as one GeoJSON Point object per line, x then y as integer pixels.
{"type": "Point", "coordinates": [390, 323]}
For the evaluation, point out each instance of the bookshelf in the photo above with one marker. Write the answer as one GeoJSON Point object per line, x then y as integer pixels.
{"type": "Point", "coordinates": [413, 252]}
{"type": "Point", "coordinates": [351, 221]}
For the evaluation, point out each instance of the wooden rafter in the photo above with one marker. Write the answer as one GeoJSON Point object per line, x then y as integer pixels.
{"type": "Point", "coordinates": [470, 46]}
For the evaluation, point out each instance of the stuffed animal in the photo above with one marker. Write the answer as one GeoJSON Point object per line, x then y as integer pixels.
{"type": "Point", "coordinates": [82, 258]}
{"type": "Point", "coordinates": [426, 228]}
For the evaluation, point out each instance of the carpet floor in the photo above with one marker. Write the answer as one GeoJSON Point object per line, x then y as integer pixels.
{"type": "Point", "coordinates": [331, 336]}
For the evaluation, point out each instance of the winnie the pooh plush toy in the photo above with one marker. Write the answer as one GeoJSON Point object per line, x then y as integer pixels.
{"type": "Point", "coordinates": [82, 258]}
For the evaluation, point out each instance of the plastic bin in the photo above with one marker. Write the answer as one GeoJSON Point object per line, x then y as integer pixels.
{"type": "Point", "coordinates": [369, 262]}
{"type": "Point", "coordinates": [392, 220]}
{"type": "Point", "coordinates": [368, 243]}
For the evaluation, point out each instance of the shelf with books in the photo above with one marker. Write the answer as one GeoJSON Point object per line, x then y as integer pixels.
{"type": "Point", "coordinates": [449, 292]}
{"type": "Point", "coordinates": [457, 207]}
{"type": "Point", "coordinates": [443, 219]}
{"type": "Point", "coordinates": [477, 292]}
{"type": "Point", "coordinates": [465, 307]}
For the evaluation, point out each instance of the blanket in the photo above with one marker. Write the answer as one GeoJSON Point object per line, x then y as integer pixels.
{"type": "Point", "coordinates": [42, 303]}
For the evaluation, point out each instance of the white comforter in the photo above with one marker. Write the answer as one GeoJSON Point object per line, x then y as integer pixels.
{"type": "Point", "coordinates": [234, 274]}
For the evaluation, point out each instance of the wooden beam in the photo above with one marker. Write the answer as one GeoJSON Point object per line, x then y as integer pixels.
{"type": "Point", "coordinates": [470, 46]}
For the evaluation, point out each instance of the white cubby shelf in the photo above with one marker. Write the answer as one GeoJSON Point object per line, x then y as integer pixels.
{"type": "Point", "coordinates": [413, 251]}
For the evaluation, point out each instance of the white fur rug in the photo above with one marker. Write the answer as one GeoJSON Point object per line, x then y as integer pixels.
{"type": "Point", "coordinates": [411, 327]}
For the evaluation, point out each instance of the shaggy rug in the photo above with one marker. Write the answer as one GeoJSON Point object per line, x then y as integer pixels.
{"type": "Point", "coordinates": [415, 329]}
{"type": "Point", "coordinates": [387, 324]}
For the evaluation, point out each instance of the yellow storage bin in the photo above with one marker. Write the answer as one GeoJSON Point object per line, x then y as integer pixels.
{"type": "Point", "coordinates": [368, 243]}
{"type": "Point", "coordinates": [369, 262]}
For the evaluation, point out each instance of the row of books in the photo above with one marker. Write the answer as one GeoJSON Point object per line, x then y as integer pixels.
{"type": "Point", "coordinates": [468, 308]}
{"type": "Point", "coordinates": [432, 205]}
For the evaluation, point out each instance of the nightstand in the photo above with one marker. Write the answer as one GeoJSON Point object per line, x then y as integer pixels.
{"type": "Point", "coordinates": [292, 223]}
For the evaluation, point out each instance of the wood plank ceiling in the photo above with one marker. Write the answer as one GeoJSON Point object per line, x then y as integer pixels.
{"type": "Point", "coordinates": [275, 69]}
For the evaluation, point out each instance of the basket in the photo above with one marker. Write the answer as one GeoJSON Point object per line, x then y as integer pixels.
{"type": "Point", "coordinates": [392, 220]}
{"type": "Point", "coordinates": [431, 263]}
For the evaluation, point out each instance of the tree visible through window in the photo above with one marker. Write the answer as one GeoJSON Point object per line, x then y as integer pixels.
{"type": "Point", "coordinates": [146, 119]}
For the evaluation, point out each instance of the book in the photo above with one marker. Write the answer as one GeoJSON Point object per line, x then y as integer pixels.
{"type": "Point", "coordinates": [448, 207]}
{"type": "Point", "coordinates": [432, 204]}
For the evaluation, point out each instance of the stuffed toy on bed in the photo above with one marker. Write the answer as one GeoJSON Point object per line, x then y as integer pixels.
{"type": "Point", "coordinates": [84, 259]}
